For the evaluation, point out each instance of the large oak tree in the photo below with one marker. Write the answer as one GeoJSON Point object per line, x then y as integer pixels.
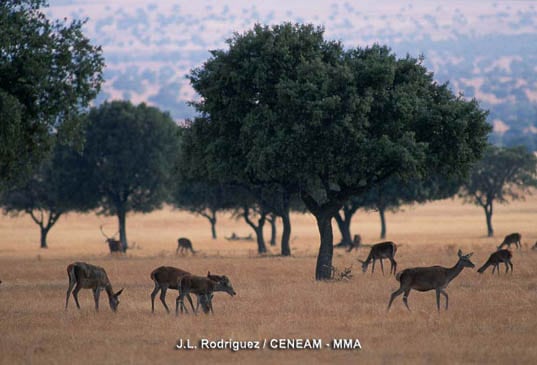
{"type": "Point", "coordinates": [282, 105]}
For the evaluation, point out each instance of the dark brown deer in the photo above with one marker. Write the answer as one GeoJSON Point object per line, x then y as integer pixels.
{"type": "Point", "coordinates": [204, 287]}
{"type": "Point", "coordinates": [183, 245]}
{"type": "Point", "coordinates": [113, 244]}
{"type": "Point", "coordinates": [495, 259]}
{"type": "Point", "coordinates": [513, 238]}
{"type": "Point", "coordinates": [168, 277]}
{"type": "Point", "coordinates": [379, 251]}
{"type": "Point", "coordinates": [429, 278]}
{"type": "Point", "coordinates": [86, 276]}
{"type": "Point", "coordinates": [355, 244]}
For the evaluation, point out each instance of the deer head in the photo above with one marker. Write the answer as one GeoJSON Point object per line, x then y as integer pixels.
{"type": "Point", "coordinates": [465, 259]}
{"type": "Point", "coordinates": [114, 300]}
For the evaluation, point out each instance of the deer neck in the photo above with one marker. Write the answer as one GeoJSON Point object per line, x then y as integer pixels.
{"type": "Point", "coordinates": [452, 272]}
{"type": "Point", "coordinates": [109, 290]}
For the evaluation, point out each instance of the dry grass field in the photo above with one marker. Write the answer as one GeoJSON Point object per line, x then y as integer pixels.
{"type": "Point", "coordinates": [492, 319]}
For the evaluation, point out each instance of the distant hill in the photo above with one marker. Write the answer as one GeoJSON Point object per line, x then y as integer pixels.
{"type": "Point", "coordinates": [486, 49]}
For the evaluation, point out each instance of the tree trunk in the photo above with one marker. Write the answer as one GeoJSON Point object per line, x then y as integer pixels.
{"type": "Point", "coordinates": [122, 217]}
{"type": "Point", "coordinates": [344, 226]}
{"type": "Point", "coordinates": [286, 234]}
{"type": "Point", "coordinates": [272, 221]}
{"type": "Point", "coordinates": [323, 270]}
{"type": "Point", "coordinates": [258, 229]}
{"type": "Point", "coordinates": [44, 233]}
{"type": "Point", "coordinates": [488, 215]}
{"type": "Point", "coordinates": [213, 227]}
{"type": "Point", "coordinates": [382, 223]}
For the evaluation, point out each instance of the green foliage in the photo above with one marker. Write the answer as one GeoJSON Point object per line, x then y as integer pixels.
{"type": "Point", "coordinates": [282, 105]}
{"type": "Point", "coordinates": [49, 72]}
{"type": "Point", "coordinates": [131, 151]}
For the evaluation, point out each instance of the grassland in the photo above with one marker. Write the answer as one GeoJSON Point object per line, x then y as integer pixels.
{"type": "Point", "coordinates": [492, 319]}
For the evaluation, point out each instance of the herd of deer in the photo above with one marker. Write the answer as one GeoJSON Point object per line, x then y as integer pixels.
{"type": "Point", "coordinates": [435, 277]}
{"type": "Point", "coordinates": [86, 276]}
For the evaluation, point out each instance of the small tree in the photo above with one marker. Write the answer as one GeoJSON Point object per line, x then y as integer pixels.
{"type": "Point", "coordinates": [53, 190]}
{"type": "Point", "coordinates": [503, 174]}
{"type": "Point", "coordinates": [131, 152]}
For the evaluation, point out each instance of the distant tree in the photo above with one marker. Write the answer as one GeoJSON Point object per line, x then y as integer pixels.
{"type": "Point", "coordinates": [503, 174]}
{"type": "Point", "coordinates": [202, 198]}
{"type": "Point", "coordinates": [283, 106]}
{"type": "Point", "coordinates": [49, 72]}
{"type": "Point", "coordinates": [131, 152]}
{"type": "Point", "coordinates": [53, 190]}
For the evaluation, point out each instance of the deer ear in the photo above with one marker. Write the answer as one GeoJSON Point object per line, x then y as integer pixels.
{"type": "Point", "coordinates": [208, 273]}
{"type": "Point", "coordinates": [363, 262]}
{"type": "Point", "coordinates": [459, 253]}
{"type": "Point", "coordinates": [469, 255]}
{"type": "Point", "coordinates": [119, 292]}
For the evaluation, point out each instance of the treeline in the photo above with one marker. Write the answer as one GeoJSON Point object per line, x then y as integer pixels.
{"type": "Point", "coordinates": [286, 121]}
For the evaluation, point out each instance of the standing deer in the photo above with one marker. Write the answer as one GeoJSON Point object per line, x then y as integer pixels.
{"type": "Point", "coordinates": [168, 277]}
{"type": "Point", "coordinates": [495, 259]}
{"type": "Point", "coordinates": [113, 244]}
{"type": "Point", "coordinates": [513, 238]}
{"type": "Point", "coordinates": [183, 245]}
{"type": "Point", "coordinates": [429, 278]}
{"type": "Point", "coordinates": [202, 286]}
{"type": "Point", "coordinates": [379, 251]}
{"type": "Point", "coordinates": [87, 276]}
{"type": "Point", "coordinates": [355, 244]}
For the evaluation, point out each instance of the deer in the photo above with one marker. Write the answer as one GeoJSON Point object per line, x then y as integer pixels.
{"type": "Point", "coordinates": [495, 259]}
{"type": "Point", "coordinates": [513, 238]}
{"type": "Point", "coordinates": [168, 277]}
{"type": "Point", "coordinates": [202, 286]}
{"type": "Point", "coordinates": [87, 276]}
{"type": "Point", "coordinates": [381, 251]}
{"type": "Point", "coordinates": [355, 244]}
{"type": "Point", "coordinates": [429, 278]}
{"type": "Point", "coordinates": [114, 245]}
{"type": "Point", "coordinates": [183, 245]}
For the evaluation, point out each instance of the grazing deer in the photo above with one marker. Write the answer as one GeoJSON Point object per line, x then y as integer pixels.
{"type": "Point", "coordinates": [87, 276]}
{"type": "Point", "coordinates": [204, 287]}
{"type": "Point", "coordinates": [355, 244]}
{"type": "Point", "coordinates": [513, 238]}
{"type": "Point", "coordinates": [379, 251]}
{"type": "Point", "coordinates": [429, 278]}
{"type": "Point", "coordinates": [113, 244]}
{"type": "Point", "coordinates": [495, 259]}
{"type": "Point", "coordinates": [183, 245]}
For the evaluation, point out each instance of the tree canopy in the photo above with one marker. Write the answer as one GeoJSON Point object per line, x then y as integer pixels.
{"type": "Point", "coordinates": [502, 174]}
{"type": "Point", "coordinates": [49, 72]}
{"type": "Point", "coordinates": [283, 105]}
{"type": "Point", "coordinates": [131, 152]}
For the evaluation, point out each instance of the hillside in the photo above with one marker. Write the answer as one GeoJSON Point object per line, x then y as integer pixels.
{"type": "Point", "coordinates": [485, 49]}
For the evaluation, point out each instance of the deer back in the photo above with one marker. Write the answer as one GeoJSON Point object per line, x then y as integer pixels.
{"type": "Point", "coordinates": [87, 275]}
{"type": "Point", "coordinates": [383, 250]}
{"type": "Point", "coordinates": [168, 275]}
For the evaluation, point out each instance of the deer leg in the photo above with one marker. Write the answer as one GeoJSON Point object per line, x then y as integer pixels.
{"type": "Point", "coordinates": [394, 295]}
{"type": "Point", "coordinates": [438, 299]}
{"type": "Point", "coordinates": [382, 267]}
{"type": "Point", "coordinates": [405, 298]}
{"type": "Point", "coordinates": [191, 304]}
{"type": "Point", "coordinates": [96, 293]}
{"type": "Point", "coordinates": [163, 298]}
{"type": "Point", "coordinates": [446, 296]}
{"type": "Point", "coordinates": [511, 264]}
{"type": "Point", "coordinates": [373, 267]}
{"type": "Point", "coordinates": [75, 294]}
{"type": "Point", "coordinates": [153, 295]}
{"type": "Point", "coordinates": [493, 269]}
{"type": "Point", "coordinates": [180, 301]}
{"type": "Point", "coordinates": [394, 265]}
{"type": "Point", "coordinates": [69, 289]}
{"type": "Point", "coordinates": [210, 302]}
{"type": "Point", "coordinates": [506, 267]}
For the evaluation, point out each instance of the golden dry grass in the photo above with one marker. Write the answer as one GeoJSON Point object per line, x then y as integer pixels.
{"type": "Point", "coordinates": [492, 319]}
